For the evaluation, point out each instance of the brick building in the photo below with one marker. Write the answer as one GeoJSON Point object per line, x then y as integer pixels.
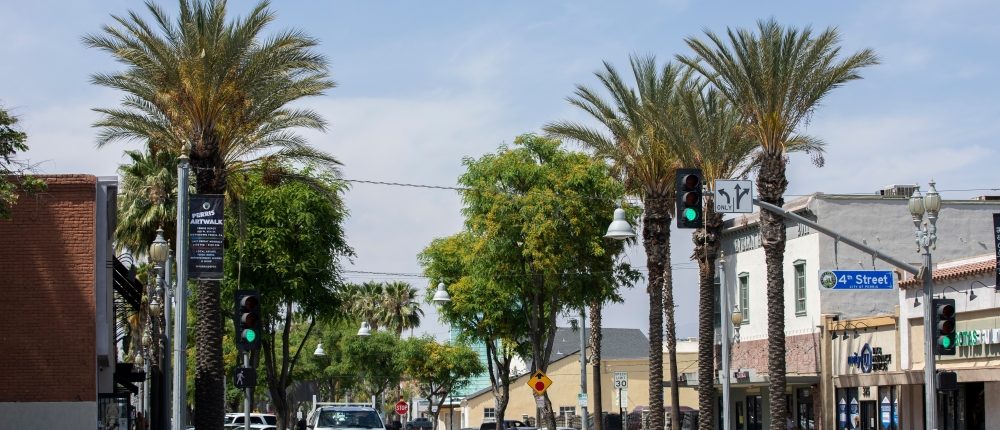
{"type": "Point", "coordinates": [56, 295]}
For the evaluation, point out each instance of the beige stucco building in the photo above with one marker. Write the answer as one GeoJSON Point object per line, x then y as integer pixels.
{"type": "Point", "coordinates": [624, 352]}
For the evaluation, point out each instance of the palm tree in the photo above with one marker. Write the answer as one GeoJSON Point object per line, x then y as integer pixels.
{"type": "Point", "coordinates": [365, 301]}
{"type": "Point", "coordinates": [640, 154]}
{"type": "Point", "coordinates": [223, 88]}
{"type": "Point", "coordinates": [147, 200]}
{"type": "Point", "coordinates": [775, 78]}
{"type": "Point", "coordinates": [399, 299]}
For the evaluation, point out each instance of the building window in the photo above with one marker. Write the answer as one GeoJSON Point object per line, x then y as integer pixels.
{"type": "Point", "coordinates": [565, 411]}
{"type": "Point", "coordinates": [489, 414]}
{"type": "Point", "coordinates": [745, 296]}
{"type": "Point", "coordinates": [800, 287]}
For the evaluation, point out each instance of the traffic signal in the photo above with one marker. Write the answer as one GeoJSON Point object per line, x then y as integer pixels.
{"type": "Point", "coordinates": [947, 381]}
{"type": "Point", "coordinates": [689, 196]}
{"type": "Point", "coordinates": [247, 320]}
{"type": "Point", "coordinates": [944, 326]}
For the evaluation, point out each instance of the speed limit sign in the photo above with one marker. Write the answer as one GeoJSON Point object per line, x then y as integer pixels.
{"type": "Point", "coordinates": [621, 380]}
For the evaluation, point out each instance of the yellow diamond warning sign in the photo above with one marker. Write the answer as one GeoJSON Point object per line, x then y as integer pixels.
{"type": "Point", "coordinates": [539, 382]}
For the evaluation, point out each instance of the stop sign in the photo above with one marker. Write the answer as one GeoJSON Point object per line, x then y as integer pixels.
{"type": "Point", "coordinates": [402, 407]}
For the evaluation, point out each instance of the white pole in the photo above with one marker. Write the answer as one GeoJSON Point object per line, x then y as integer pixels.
{"type": "Point", "coordinates": [724, 327]}
{"type": "Point", "coordinates": [167, 308]}
{"type": "Point", "coordinates": [180, 323]}
{"type": "Point", "coordinates": [583, 366]}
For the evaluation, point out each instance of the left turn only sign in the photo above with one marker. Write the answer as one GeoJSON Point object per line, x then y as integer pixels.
{"type": "Point", "coordinates": [539, 382]}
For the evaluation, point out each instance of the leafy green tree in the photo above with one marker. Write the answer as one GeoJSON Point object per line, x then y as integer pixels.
{"type": "Point", "coordinates": [216, 90]}
{"type": "Point", "coordinates": [13, 177]}
{"type": "Point", "coordinates": [438, 369]}
{"type": "Point", "coordinates": [286, 239]}
{"type": "Point", "coordinates": [332, 371]}
{"type": "Point", "coordinates": [536, 215]}
{"type": "Point", "coordinates": [635, 140]}
{"type": "Point", "coordinates": [479, 310]}
{"type": "Point", "coordinates": [775, 77]}
{"type": "Point", "coordinates": [376, 362]}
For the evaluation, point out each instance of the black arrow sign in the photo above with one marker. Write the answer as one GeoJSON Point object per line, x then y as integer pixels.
{"type": "Point", "coordinates": [739, 194]}
{"type": "Point", "coordinates": [724, 193]}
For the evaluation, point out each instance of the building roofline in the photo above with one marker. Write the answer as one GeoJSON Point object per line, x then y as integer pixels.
{"type": "Point", "coordinates": [971, 266]}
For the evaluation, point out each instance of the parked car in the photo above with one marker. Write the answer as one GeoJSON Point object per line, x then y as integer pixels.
{"type": "Point", "coordinates": [507, 425]}
{"type": "Point", "coordinates": [234, 421]}
{"type": "Point", "coordinates": [420, 423]}
{"type": "Point", "coordinates": [332, 416]}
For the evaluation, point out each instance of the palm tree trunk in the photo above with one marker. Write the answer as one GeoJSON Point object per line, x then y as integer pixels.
{"type": "Point", "coordinates": [656, 241]}
{"type": "Point", "coordinates": [595, 361]}
{"type": "Point", "coordinates": [771, 184]}
{"type": "Point", "coordinates": [209, 378]}
{"type": "Point", "coordinates": [706, 250]}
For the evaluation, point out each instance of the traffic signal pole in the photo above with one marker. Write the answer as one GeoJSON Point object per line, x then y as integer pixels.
{"type": "Point", "coordinates": [246, 401]}
{"type": "Point", "coordinates": [930, 387]}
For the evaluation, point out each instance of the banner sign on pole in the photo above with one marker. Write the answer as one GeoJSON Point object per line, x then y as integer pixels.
{"type": "Point", "coordinates": [205, 236]}
{"type": "Point", "coordinates": [996, 242]}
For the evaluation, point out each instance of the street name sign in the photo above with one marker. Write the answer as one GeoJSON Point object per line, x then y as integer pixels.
{"type": "Point", "coordinates": [854, 280]}
{"type": "Point", "coordinates": [581, 398]}
{"type": "Point", "coordinates": [733, 196]}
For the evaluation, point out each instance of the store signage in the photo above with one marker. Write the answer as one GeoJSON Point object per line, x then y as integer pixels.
{"type": "Point", "coordinates": [205, 236]}
{"type": "Point", "coordinates": [870, 359]}
{"type": "Point", "coordinates": [741, 374]}
{"type": "Point", "coordinates": [886, 412]}
{"type": "Point", "coordinates": [842, 412]}
{"type": "Point", "coordinates": [986, 336]}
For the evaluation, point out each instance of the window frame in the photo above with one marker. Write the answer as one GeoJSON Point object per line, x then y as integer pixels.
{"type": "Point", "coordinates": [489, 414]}
{"type": "Point", "coordinates": [799, 270]}
{"type": "Point", "coordinates": [744, 286]}
{"type": "Point", "coordinates": [564, 409]}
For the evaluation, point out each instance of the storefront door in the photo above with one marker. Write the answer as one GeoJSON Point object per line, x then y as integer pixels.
{"type": "Point", "coordinates": [755, 418]}
{"type": "Point", "coordinates": [869, 415]}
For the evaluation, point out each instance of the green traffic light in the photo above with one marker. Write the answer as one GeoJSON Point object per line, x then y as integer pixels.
{"type": "Point", "coordinates": [249, 335]}
{"type": "Point", "coordinates": [690, 214]}
{"type": "Point", "coordinates": [946, 341]}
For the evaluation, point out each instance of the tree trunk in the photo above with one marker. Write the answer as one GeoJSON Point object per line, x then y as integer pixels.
{"type": "Point", "coordinates": [706, 251]}
{"type": "Point", "coordinates": [771, 184]}
{"type": "Point", "coordinates": [209, 376]}
{"type": "Point", "coordinates": [656, 240]}
{"type": "Point", "coordinates": [595, 361]}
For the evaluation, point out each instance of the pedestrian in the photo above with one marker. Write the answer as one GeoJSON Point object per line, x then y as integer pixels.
{"type": "Point", "coordinates": [140, 421]}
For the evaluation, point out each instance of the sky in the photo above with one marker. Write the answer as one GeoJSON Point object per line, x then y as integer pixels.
{"type": "Point", "coordinates": [422, 85]}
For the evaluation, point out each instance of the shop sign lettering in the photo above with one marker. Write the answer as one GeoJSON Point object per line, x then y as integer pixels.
{"type": "Point", "coordinates": [870, 359]}
{"type": "Point", "coordinates": [985, 336]}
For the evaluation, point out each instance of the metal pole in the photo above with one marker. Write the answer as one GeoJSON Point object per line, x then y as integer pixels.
{"type": "Point", "coordinates": [246, 401]}
{"type": "Point", "coordinates": [724, 328]}
{"type": "Point", "coordinates": [180, 323]}
{"type": "Point", "coordinates": [930, 391]}
{"type": "Point", "coordinates": [583, 366]}
{"type": "Point", "coordinates": [167, 320]}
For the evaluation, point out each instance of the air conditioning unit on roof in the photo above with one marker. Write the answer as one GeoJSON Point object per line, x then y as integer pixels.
{"type": "Point", "coordinates": [898, 191]}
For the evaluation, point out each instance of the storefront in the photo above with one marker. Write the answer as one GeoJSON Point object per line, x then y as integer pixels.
{"type": "Point", "coordinates": [866, 374]}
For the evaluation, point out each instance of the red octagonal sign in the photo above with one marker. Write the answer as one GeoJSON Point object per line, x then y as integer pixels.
{"type": "Point", "coordinates": [402, 407]}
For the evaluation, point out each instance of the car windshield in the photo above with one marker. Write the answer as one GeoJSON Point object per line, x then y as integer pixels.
{"type": "Point", "coordinates": [271, 420]}
{"type": "Point", "coordinates": [349, 419]}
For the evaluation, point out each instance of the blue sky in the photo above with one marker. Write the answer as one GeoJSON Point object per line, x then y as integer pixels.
{"type": "Point", "coordinates": [423, 84]}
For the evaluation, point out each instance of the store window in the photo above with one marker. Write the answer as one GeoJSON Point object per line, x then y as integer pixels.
{"type": "Point", "coordinates": [745, 296]}
{"type": "Point", "coordinates": [800, 287]}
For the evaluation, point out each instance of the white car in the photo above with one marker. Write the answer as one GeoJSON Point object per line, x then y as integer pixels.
{"type": "Point", "coordinates": [235, 421]}
{"type": "Point", "coordinates": [344, 417]}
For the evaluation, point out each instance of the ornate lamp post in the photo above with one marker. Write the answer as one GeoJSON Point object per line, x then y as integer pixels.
{"type": "Point", "coordinates": [926, 239]}
{"type": "Point", "coordinates": [159, 254]}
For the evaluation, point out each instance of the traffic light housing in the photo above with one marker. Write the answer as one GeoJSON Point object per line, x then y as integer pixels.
{"type": "Point", "coordinates": [689, 198]}
{"type": "Point", "coordinates": [247, 320]}
{"type": "Point", "coordinates": [944, 326]}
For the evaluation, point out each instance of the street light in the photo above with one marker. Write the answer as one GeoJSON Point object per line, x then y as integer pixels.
{"type": "Point", "coordinates": [737, 319]}
{"type": "Point", "coordinates": [441, 296]}
{"type": "Point", "coordinates": [365, 330]}
{"type": "Point", "coordinates": [319, 351]}
{"type": "Point", "coordinates": [926, 239]}
{"type": "Point", "coordinates": [620, 229]}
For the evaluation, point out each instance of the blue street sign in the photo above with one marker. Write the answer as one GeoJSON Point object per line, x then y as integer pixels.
{"type": "Point", "coordinates": [857, 279]}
